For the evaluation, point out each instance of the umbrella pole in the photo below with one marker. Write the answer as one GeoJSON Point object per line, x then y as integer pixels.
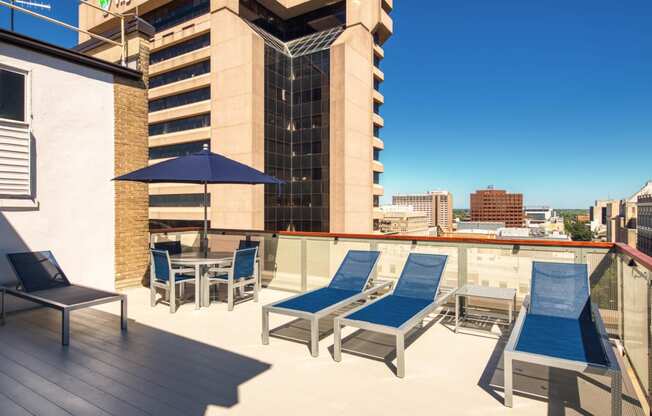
{"type": "Point", "coordinates": [205, 236]}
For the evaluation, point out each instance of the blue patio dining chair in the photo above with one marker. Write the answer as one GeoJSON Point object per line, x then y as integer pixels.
{"type": "Point", "coordinates": [241, 273]}
{"type": "Point", "coordinates": [163, 276]}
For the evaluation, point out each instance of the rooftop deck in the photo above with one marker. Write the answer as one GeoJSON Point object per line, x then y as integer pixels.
{"type": "Point", "coordinates": [211, 362]}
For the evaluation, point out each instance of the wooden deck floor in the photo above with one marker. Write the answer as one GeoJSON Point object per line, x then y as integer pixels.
{"type": "Point", "coordinates": [211, 362]}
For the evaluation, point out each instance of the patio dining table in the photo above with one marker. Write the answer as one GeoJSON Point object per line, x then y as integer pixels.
{"type": "Point", "coordinates": [202, 263]}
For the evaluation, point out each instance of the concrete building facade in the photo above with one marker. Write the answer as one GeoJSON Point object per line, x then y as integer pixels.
{"type": "Point", "coordinates": [497, 205]}
{"type": "Point", "coordinates": [436, 205]}
{"type": "Point", "coordinates": [288, 87]}
{"type": "Point", "coordinates": [644, 224]}
{"type": "Point", "coordinates": [622, 216]}
{"type": "Point", "coordinates": [68, 125]}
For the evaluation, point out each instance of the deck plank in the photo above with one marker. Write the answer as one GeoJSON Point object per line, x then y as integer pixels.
{"type": "Point", "coordinates": [150, 397]}
{"type": "Point", "coordinates": [10, 408]}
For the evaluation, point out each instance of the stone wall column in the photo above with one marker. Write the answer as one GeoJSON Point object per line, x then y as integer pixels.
{"type": "Point", "coordinates": [131, 153]}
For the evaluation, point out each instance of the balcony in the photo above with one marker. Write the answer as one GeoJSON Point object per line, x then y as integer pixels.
{"type": "Point", "coordinates": [210, 361]}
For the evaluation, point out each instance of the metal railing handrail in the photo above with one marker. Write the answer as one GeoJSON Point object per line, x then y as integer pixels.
{"type": "Point", "coordinates": [637, 255]}
{"type": "Point", "coordinates": [410, 238]}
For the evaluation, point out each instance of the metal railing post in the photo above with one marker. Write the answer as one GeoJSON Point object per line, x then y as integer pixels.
{"type": "Point", "coordinates": [462, 265]}
{"type": "Point", "coordinates": [304, 264]}
{"type": "Point", "coordinates": [373, 246]}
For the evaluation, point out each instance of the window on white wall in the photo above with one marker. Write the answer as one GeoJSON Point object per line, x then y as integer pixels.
{"type": "Point", "coordinates": [12, 95]}
{"type": "Point", "coordinates": [15, 146]}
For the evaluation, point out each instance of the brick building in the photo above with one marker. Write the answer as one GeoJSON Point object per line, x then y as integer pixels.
{"type": "Point", "coordinates": [497, 205]}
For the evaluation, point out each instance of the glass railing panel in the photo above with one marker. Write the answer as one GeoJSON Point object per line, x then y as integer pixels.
{"type": "Point", "coordinates": [509, 267]}
{"type": "Point", "coordinates": [450, 278]}
{"type": "Point", "coordinates": [286, 252]}
{"type": "Point", "coordinates": [636, 324]}
{"type": "Point", "coordinates": [604, 288]}
{"type": "Point", "coordinates": [189, 239]}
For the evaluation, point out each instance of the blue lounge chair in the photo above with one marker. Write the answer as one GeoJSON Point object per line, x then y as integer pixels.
{"type": "Point", "coordinates": [416, 295]}
{"type": "Point", "coordinates": [558, 326]}
{"type": "Point", "coordinates": [349, 285]}
{"type": "Point", "coordinates": [41, 280]}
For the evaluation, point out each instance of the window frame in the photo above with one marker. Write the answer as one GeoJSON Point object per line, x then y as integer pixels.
{"type": "Point", "coordinates": [27, 101]}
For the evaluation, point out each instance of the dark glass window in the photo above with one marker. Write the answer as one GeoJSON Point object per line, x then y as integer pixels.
{"type": "Point", "coordinates": [377, 154]}
{"type": "Point", "coordinates": [376, 201]}
{"type": "Point", "coordinates": [186, 72]}
{"type": "Point", "coordinates": [180, 48]}
{"type": "Point", "coordinates": [376, 131]}
{"type": "Point", "coordinates": [377, 84]}
{"type": "Point", "coordinates": [179, 149]}
{"type": "Point", "coordinates": [189, 97]}
{"type": "Point", "coordinates": [12, 95]}
{"type": "Point", "coordinates": [178, 200]}
{"type": "Point", "coordinates": [317, 20]}
{"type": "Point", "coordinates": [377, 60]}
{"type": "Point", "coordinates": [377, 107]}
{"type": "Point", "coordinates": [604, 215]}
{"type": "Point", "coordinates": [297, 140]}
{"type": "Point", "coordinates": [175, 12]}
{"type": "Point", "coordinates": [377, 178]}
{"type": "Point", "coordinates": [194, 122]}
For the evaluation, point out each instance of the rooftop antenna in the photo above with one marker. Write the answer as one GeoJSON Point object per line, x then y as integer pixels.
{"type": "Point", "coordinates": [27, 4]}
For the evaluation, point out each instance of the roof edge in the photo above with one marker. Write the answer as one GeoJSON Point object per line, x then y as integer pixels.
{"type": "Point", "coordinates": [66, 54]}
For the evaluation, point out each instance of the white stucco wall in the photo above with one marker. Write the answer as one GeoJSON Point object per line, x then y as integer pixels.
{"type": "Point", "coordinates": [73, 137]}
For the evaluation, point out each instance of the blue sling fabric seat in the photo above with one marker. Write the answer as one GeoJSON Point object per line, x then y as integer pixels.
{"type": "Point", "coordinates": [559, 322]}
{"type": "Point", "coordinates": [348, 285]}
{"type": "Point", "coordinates": [559, 327]}
{"type": "Point", "coordinates": [318, 300]}
{"type": "Point", "coordinates": [416, 289]}
{"type": "Point", "coordinates": [391, 311]}
{"type": "Point", "coordinates": [413, 298]}
{"type": "Point", "coordinates": [349, 280]}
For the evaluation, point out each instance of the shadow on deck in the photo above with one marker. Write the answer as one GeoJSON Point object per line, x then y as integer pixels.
{"type": "Point", "coordinates": [145, 371]}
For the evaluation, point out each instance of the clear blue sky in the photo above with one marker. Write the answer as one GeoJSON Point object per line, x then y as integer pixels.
{"type": "Point", "coordinates": [549, 98]}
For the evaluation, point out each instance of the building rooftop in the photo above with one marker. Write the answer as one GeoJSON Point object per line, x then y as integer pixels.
{"type": "Point", "coordinates": [211, 362]}
{"type": "Point", "coordinates": [66, 54]}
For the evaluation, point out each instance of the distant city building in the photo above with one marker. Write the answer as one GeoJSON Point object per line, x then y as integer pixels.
{"type": "Point", "coordinates": [583, 218]}
{"type": "Point", "coordinates": [436, 205]}
{"type": "Point", "coordinates": [621, 218]}
{"type": "Point", "coordinates": [497, 205]}
{"type": "Point", "coordinates": [644, 224]}
{"type": "Point", "coordinates": [401, 219]}
{"type": "Point", "coordinates": [599, 218]}
{"type": "Point", "coordinates": [538, 214]}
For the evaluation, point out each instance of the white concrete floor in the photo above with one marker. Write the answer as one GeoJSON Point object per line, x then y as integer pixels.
{"type": "Point", "coordinates": [212, 362]}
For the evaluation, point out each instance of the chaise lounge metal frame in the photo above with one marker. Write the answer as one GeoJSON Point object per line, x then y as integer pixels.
{"type": "Point", "coordinates": [399, 332]}
{"type": "Point", "coordinates": [314, 318]}
{"type": "Point", "coordinates": [94, 296]}
{"type": "Point", "coordinates": [511, 354]}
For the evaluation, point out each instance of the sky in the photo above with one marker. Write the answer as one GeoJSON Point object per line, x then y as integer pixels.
{"type": "Point", "coordinates": [550, 98]}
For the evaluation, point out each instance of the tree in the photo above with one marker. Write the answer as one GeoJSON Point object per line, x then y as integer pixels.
{"type": "Point", "coordinates": [578, 231]}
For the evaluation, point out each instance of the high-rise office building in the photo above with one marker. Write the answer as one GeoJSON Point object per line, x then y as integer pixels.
{"type": "Point", "coordinates": [644, 224]}
{"type": "Point", "coordinates": [497, 205]}
{"type": "Point", "coordinates": [288, 87]}
{"type": "Point", "coordinates": [437, 205]}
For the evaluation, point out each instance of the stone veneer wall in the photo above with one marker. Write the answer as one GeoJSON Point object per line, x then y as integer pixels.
{"type": "Point", "coordinates": [131, 199]}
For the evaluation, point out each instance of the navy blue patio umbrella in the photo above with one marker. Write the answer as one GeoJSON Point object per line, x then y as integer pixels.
{"type": "Point", "coordinates": [204, 168]}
